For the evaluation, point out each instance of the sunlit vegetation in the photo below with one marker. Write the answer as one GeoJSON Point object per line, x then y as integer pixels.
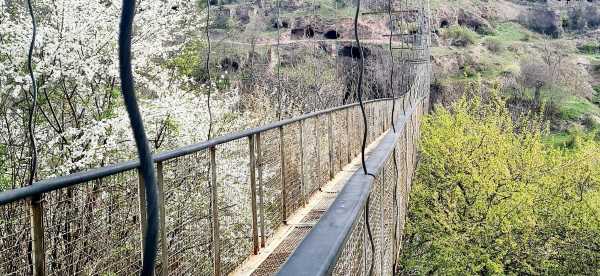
{"type": "Point", "coordinates": [492, 197]}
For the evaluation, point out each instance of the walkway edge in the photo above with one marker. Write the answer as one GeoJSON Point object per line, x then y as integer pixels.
{"type": "Point", "coordinates": [318, 252]}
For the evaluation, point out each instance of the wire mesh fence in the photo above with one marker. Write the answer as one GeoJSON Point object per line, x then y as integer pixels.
{"type": "Point", "coordinates": [375, 237]}
{"type": "Point", "coordinates": [97, 225]}
{"type": "Point", "coordinates": [94, 227]}
{"type": "Point", "coordinates": [214, 214]}
{"type": "Point", "coordinates": [15, 238]}
{"type": "Point", "coordinates": [235, 212]}
{"type": "Point", "coordinates": [187, 213]}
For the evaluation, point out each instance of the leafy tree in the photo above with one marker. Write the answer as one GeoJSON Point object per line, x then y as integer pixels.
{"type": "Point", "coordinates": [491, 198]}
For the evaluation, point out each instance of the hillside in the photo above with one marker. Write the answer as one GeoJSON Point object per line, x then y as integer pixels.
{"type": "Point", "coordinates": [539, 54]}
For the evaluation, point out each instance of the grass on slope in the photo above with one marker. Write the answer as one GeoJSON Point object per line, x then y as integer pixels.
{"type": "Point", "coordinates": [511, 31]}
{"type": "Point", "coordinates": [574, 108]}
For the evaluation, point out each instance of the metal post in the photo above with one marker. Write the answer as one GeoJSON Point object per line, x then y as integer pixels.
{"type": "Point", "coordinates": [163, 228]}
{"type": "Point", "coordinates": [283, 184]}
{"type": "Point", "coordinates": [317, 153]}
{"type": "Point", "coordinates": [37, 236]}
{"type": "Point", "coordinates": [348, 144]}
{"type": "Point", "coordinates": [253, 194]}
{"type": "Point", "coordinates": [383, 117]}
{"type": "Point", "coordinates": [330, 140]}
{"type": "Point", "coordinates": [260, 190]}
{"type": "Point", "coordinates": [142, 210]}
{"type": "Point", "coordinates": [302, 183]}
{"type": "Point", "coordinates": [382, 217]}
{"type": "Point", "coordinates": [216, 243]}
{"type": "Point", "coordinates": [366, 241]}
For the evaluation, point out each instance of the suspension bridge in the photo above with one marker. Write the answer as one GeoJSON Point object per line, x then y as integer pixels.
{"type": "Point", "coordinates": [322, 193]}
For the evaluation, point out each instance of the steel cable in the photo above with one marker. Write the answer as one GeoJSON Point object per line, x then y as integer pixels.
{"type": "Point", "coordinates": [33, 94]}
{"type": "Point", "coordinates": [359, 91]}
{"type": "Point", "coordinates": [395, 196]}
{"type": "Point", "coordinates": [392, 65]}
{"type": "Point", "coordinates": [207, 67]}
{"type": "Point", "coordinates": [279, 92]}
{"type": "Point", "coordinates": [137, 125]}
{"type": "Point", "coordinates": [365, 130]}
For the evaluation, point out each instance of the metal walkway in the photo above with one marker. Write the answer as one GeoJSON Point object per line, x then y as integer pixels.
{"type": "Point", "coordinates": [288, 237]}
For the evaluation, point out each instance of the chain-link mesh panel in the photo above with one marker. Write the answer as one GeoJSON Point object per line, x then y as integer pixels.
{"type": "Point", "coordinates": [235, 215]}
{"type": "Point", "coordinates": [15, 236]}
{"type": "Point", "coordinates": [340, 139]}
{"type": "Point", "coordinates": [375, 222]}
{"type": "Point", "coordinates": [322, 124]}
{"type": "Point", "coordinates": [310, 155]}
{"type": "Point", "coordinates": [293, 181]}
{"type": "Point", "coordinates": [352, 258]}
{"type": "Point", "coordinates": [402, 184]}
{"type": "Point", "coordinates": [358, 129]}
{"type": "Point", "coordinates": [94, 227]}
{"type": "Point", "coordinates": [269, 178]}
{"type": "Point", "coordinates": [389, 215]}
{"type": "Point", "coordinates": [187, 214]}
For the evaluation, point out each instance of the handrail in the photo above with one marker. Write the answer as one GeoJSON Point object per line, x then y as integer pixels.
{"type": "Point", "coordinates": [319, 251]}
{"type": "Point", "coordinates": [59, 182]}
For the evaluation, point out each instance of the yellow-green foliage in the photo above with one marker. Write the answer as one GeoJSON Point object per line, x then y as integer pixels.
{"type": "Point", "coordinates": [461, 33]}
{"type": "Point", "coordinates": [490, 197]}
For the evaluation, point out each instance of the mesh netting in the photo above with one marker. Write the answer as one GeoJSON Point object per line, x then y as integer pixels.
{"type": "Point", "coordinates": [94, 227]}
{"type": "Point", "coordinates": [187, 213]}
{"type": "Point", "coordinates": [15, 237]}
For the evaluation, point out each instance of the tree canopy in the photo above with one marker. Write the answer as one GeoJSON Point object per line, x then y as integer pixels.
{"type": "Point", "coordinates": [490, 197]}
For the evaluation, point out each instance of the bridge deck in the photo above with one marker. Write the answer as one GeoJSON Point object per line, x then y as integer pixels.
{"type": "Point", "coordinates": [288, 237]}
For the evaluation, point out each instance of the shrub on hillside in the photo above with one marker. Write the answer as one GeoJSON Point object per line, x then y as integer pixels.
{"type": "Point", "coordinates": [590, 47]}
{"type": "Point", "coordinates": [494, 44]}
{"type": "Point", "coordinates": [461, 36]}
{"type": "Point", "coordinates": [543, 21]}
{"type": "Point", "coordinates": [490, 198]}
{"type": "Point", "coordinates": [582, 17]}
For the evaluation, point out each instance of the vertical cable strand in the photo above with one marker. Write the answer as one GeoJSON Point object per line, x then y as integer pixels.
{"type": "Point", "coordinates": [207, 67]}
{"type": "Point", "coordinates": [33, 92]}
{"type": "Point", "coordinates": [141, 141]}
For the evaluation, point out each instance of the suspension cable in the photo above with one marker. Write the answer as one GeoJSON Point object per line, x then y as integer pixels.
{"type": "Point", "coordinates": [361, 66]}
{"type": "Point", "coordinates": [279, 92]}
{"type": "Point", "coordinates": [365, 131]}
{"type": "Point", "coordinates": [33, 94]}
{"type": "Point", "coordinates": [392, 65]}
{"type": "Point", "coordinates": [137, 125]}
{"type": "Point", "coordinates": [207, 67]}
{"type": "Point", "coordinates": [395, 190]}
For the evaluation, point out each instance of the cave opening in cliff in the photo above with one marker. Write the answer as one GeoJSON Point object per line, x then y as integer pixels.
{"type": "Point", "coordinates": [332, 34]}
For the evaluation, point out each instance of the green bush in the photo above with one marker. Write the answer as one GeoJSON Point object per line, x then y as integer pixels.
{"type": "Point", "coordinates": [494, 44]}
{"type": "Point", "coordinates": [461, 36]}
{"type": "Point", "coordinates": [491, 198]}
{"type": "Point", "coordinates": [589, 47]}
{"type": "Point", "coordinates": [596, 96]}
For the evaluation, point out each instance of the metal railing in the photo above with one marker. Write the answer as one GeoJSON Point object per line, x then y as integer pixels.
{"type": "Point", "coordinates": [361, 232]}
{"type": "Point", "coordinates": [220, 200]}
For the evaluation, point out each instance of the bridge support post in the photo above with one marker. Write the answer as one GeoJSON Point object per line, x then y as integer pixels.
{"type": "Point", "coordinates": [216, 243]}
{"type": "Point", "coordinates": [142, 210]}
{"type": "Point", "coordinates": [283, 184]}
{"type": "Point", "coordinates": [252, 167]}
{"type": "Point", "coordinates": [260, 190]}
{"type": "Point", "coordinates": [348, 143]}
{"type": "Point", "coordinates": [303, 195]}
{"type": "Point", "coordinates": [164, 257]}
{"type": "Point", "coordinates": [37, 236]}
{"type": "Point", "coordinates": [318, 152]}
{"type": "Point", "coordinates": [330, 141]}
